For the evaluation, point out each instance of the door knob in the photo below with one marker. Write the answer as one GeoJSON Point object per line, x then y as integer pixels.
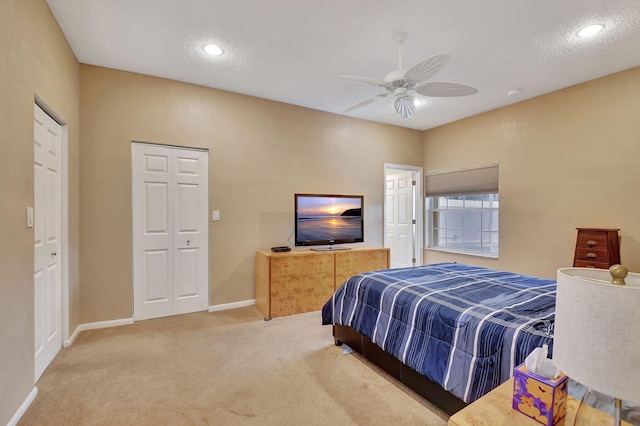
{"type": "Point", "coordinates": [188, 242]}
{"type": "Point", "coordinates": [54, 254]}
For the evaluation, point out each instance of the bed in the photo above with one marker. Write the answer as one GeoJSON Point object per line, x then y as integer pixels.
{"type": "Point", "coordinates": [450, 331]}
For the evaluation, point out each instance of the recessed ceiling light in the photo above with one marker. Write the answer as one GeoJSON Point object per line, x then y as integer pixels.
{"type": "Point", "coordinates": [590, 30]}
{"type": "Point", "coordinates": [213, 50]}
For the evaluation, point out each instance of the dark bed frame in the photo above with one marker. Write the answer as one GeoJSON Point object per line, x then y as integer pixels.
{"type": "Point", "coordinates": [418, 383]}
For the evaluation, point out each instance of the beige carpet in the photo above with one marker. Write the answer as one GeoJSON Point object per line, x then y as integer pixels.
{"type": "Point", "coordinates": [220, 368]}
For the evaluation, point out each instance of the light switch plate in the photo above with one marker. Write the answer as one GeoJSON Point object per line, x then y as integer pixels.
{"type": "Point", "coordinates": [29, 217]}
{"type": "Point", "coordinates": [215, 215]}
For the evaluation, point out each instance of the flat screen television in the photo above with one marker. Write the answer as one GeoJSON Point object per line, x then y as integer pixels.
{"type": "Point", "coordinates": [323, 219]}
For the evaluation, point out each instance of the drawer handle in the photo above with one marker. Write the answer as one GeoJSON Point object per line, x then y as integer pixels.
{"type": "Point", "coordinates": [592, 243]}
{"type": "Point", "coordinates": [592, 255]}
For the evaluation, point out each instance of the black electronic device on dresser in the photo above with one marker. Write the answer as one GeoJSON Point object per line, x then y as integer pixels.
{"type": "Point", "coordinates": [280, 249]}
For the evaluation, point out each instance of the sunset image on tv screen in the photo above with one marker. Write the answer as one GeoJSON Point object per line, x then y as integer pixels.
{"type": "Point", "coordinates": [326, 218]}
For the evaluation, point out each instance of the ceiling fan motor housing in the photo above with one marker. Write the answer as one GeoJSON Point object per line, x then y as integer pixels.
{"type": "Point", "coordinates": [396, 78]}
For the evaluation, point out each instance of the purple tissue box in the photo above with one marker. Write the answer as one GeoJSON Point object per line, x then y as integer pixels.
{"type": "Point", "coordinates": [538, 397]}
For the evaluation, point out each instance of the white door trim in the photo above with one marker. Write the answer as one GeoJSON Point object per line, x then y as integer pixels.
{"type": "Point", "coordinates": [64, 201]}
{"type": "Point", "coordinates": [419, 207]}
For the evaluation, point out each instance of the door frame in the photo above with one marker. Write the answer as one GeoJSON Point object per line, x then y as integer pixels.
{"type": "Point", "coordinates": [418, 207]}
{"type": "Point", "coordinates": [64, 217]}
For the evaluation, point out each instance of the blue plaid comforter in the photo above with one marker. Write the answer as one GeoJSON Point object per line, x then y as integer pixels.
{"type": "Point", "coordinates": [464, 327]}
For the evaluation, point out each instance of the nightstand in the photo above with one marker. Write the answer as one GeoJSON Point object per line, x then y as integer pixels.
{"type": "Point", "coordinates": [494, 409]}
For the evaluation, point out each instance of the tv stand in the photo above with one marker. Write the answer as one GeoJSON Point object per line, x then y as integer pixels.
{"type": "Point", "coordinates": [330, 248]}
{"type": "Point", "coordinates": [303, 280]}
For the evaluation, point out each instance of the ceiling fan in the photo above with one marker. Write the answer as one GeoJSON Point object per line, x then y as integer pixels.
{"type": "Point", "coordinates": [408, 84]}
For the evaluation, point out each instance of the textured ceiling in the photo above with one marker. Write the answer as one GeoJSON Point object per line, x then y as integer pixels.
{"type": "Point", "coordinates": [294, 50]}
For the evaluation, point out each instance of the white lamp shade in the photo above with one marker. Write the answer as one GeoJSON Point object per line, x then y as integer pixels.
{"type": "Point", "coordinates": [597, 331]}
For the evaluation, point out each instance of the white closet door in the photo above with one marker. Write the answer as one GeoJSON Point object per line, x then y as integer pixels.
{"type": "Point", "coordinates": [170, 247]}
{"type": "Point", "coordinates": [190, 236]}
{"type": "Point", "coordinates": [152, 200]}
{"type": "Point", "coordinates": [47, 246]}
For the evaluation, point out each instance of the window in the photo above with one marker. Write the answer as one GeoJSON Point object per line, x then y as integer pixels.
{"type": "Point", "coordinates": [463, 210]}
{"type": "Point", "coordinates": [464, 223]}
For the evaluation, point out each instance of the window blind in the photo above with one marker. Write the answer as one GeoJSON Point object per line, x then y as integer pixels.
{"type": "Point", "coordinates": [481, 180]}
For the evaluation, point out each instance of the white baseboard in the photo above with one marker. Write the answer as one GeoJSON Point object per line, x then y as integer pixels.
{"type": "Point", "coordinates": [234, 305]}
{"type": "Point", "coordinates": [96, 325]}
{"type": "Point", "coordinates": [23, 407]}
{"type": "Point", "coordinates": [127, 321]}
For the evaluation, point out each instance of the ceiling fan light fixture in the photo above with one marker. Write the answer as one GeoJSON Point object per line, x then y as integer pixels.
{"type": "Point", "coordinates": [590, 30]}
{"type": "Point", "coordinates": [404, 106]}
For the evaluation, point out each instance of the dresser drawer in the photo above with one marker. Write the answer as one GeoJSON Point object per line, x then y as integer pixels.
{"type": "Point", "coordinates": [296, 304]}
{"type": "Point", "coordinates": [590, 264]}
{"type": "Point", "coordinates": [286, 266]}
{"type": "Point", "coordinates": [349, 264]}
{"type": "Point", "coordinates": [592, 240]}
{"type": "Point", "coordinates": [301, 284]}
{"type": "Point", "coordinates": [592, 255]}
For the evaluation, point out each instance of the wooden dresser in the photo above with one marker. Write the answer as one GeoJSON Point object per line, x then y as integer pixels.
{"type": "Point", "coordinates": [597, 248]}
{"type": "Point", "coordinates": [302, 281]}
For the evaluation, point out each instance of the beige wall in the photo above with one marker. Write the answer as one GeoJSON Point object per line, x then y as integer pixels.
{"type": "Point", "coordinates": [567, 159]}
{"type": "Point", "coordinates": [34, 59]}
{"type": "Point", "coordinates": [260, 153]}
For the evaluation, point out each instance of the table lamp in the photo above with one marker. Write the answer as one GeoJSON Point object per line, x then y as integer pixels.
{"type": "Point", "coordinates": [597, 333]}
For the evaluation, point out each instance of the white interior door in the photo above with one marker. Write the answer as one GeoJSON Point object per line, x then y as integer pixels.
{"type": "Point", "coordinates": [402, 220]}
{"type": "Point", "coordinates": [190, 236]}
{"type": "Point", "coordinates": [170, 238]}
{"type": "Point", "coordinates": [47, 235]}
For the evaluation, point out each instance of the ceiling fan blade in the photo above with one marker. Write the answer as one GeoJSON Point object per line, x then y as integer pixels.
{"type": "Point", "coordinates": [426, 69]}
{"type": "Point", "coordinates": [366, 80]}
{"type": "Point", "coordinates": [445, 90]}
{"type": "Point", "coordinates": [366, 101]}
